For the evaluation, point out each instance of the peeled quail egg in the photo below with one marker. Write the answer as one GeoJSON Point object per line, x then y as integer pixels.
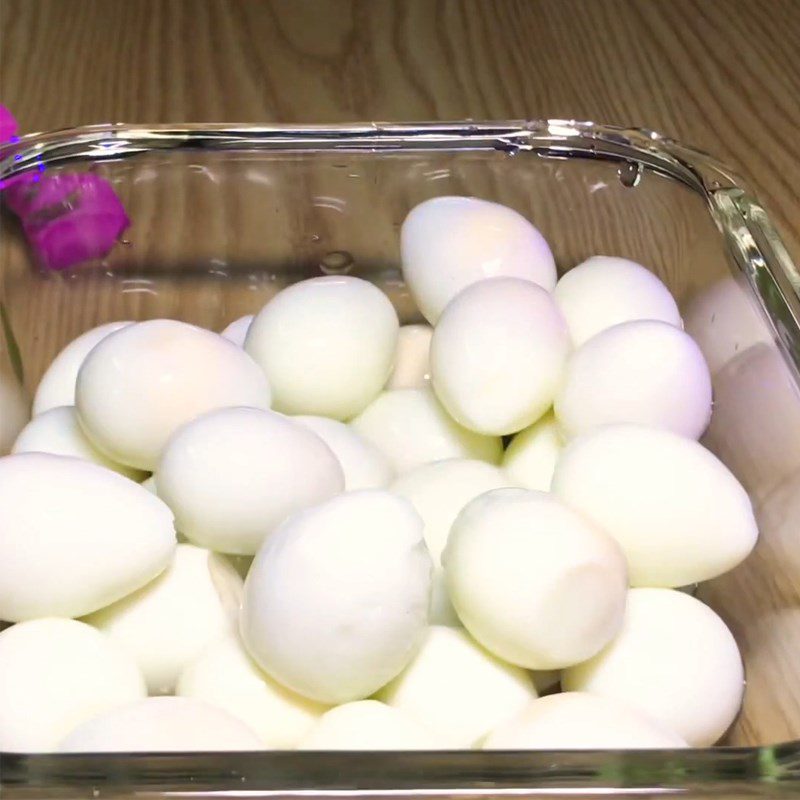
{"type": "Point", "coordinates": [363, 464]}
{"type": "Point", "coordinates": [605, 290]}
{"type": "Point", "coordinates": [412, 369]}
{"type": "Point", "coordinates": [647, 372]}
{"type": "Point", "coordinates": [74, 536]}
{"type": "Point", "coordinates": [533, 581]}
{"type": "Point", "coordinates": [167, 623]}
{"type": "Point", "coordinates": [160, 725]}
{"type": "Point", "coordinates": [457, 689]}
{"type": "Point", "coordinates": [530, 458]}
{"type": "Point", "coordinates": [141, 383]}
{"type": "Point", "coordinates": [498, 355]}
{"type": "Point", "coordinates": [677, 512]}
{"type": "Point", "coordinates": [725, 321]}
{"type": "Point", "coordinates": [438, 491]}
{"type": "Point", "coordinates": [368, 725]}
{"type": "Point", "coordinates": [336, 602]}
{"type": "Point", "coordinates": [326, 344]}
{"type": "Point", "coordinates": [233, 475]}
{"type": "Point", "coordinates": [449, 243]}
{"type": "Point", "coordinates": [580, 721]}
{"type": "Point", "coordinates": [57, 386]}
{"type": "Point", "coordinates": [225, 676]}
{"type": "Point", "coordinates": [411, 428]}
{"type": "Point", "coordinates": [57, 431]}
{"type": "Point", "coordinates": [755, 430]}
{"type": "Point", "coordinates": [674, 660]}
{"type": "Point", "coordinates": [54, 674]}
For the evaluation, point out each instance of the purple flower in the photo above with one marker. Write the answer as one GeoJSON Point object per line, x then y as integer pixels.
{"type": "Point", "coordinates": [8, 125]}
{"type": "Point", "coordinates": [67, 218]}
{"type": "Point", "coordinates": [71, 218]}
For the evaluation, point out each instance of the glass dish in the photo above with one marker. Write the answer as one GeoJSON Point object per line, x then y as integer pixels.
{"type": "Point", "coordinates": [224, 216]}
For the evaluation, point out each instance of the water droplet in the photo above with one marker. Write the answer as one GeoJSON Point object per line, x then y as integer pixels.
{"type": "Point", "coordinates": [337, 262]}
{"type": "Point", "coordinates": [630, 173]}
{"type": "Point", "coordinates": [315, 237]}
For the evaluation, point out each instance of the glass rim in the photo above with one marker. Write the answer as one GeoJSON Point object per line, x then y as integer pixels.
{"type": "Point", "coordinates": [410, 773]}
{"type": "Point", "coordinates": [547, 137]}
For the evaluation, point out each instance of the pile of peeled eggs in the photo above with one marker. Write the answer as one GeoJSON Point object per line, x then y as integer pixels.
{"type": "Point", "coordinates": [320, 530]}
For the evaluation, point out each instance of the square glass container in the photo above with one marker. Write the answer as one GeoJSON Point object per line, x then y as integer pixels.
{"type": "Point", "coordinates": [222, 217]}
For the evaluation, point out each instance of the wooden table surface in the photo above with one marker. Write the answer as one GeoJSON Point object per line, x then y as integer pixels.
{"type": "Point", "coordinates": [723, 75]}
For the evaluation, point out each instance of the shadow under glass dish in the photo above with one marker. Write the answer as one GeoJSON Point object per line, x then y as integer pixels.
{"type": "Point", "coordinates": [224, 217]}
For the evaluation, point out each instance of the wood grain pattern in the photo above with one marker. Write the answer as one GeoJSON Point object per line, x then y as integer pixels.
{"type": "Point", "coordinates": [723, 75]}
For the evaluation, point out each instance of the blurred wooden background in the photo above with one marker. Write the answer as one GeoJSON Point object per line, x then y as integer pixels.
{"type": "Point", "coordinates": [723, 75]}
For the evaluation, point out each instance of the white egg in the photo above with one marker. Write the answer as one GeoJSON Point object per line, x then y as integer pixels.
{"type": "Point", "coordinates": [233, 475]}
{"type": "Point", "coordinates": [57, 386]}
{"type": "Point", "coordinates": [646, 372]}
{"type": "Point", "coordinates": [336, 602]}
{"type": "Point", "coordinates": [580, 721]}
{"type": "Point", "coordinates": [755, 429]}
{"type": "Point", "coordinates": [161, 725]}
{"type": "Point", "coordinates": [533, 581]}
{"type": "Point", "coordinates": [498, 354]}
{"type": "Point", "coordinates": [605, 290]}
{"type": "Point", "coordinates": [167, 624]}
{"type": "Point", "coordinates": [326, 344]}
{"type": "Point", "coordinates": [412, 368]}
{"type": "Point", "coordinates": [676, 510]}
{"type": "Point", "coordinates": [141, 383]}
{"type": "Point", "coordinates": [725, 321]}
{"type": "Point", "coordinates": [411, 428]}
{"type": "Point", "coordinates": [75, 537]}
{"type": "Point", "coordinates": [438, 491]}
{"type": "Point", "coordinates": [57, 431]}
{"type": "Point", "coordinates": [368, 725]}
{"type": "Point", "coordinates": [363, 464]}
{"type": "Point", "coordinates": [14, 411]}
{"type": "Point", "coordinates": [236, 332]}
{"type": "Point", "coordinates": [530, 458]}
{"type": "Point", "coordinates": [225, 676]}
{"type": "Point", "coordinates": [674, 660]}
{"type": "Point", "coordinates": [449, 243]}
{"type": "Point", "coordinates": [54, 674]}
{"type": "Point", "coordinates": [457, 689]}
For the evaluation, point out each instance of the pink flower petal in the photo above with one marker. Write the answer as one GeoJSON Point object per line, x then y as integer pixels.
{"type": "Point", "coordinates": [82, 221]}
{"type": "Point", "coordinates": [74, 238]}
{"type": "Point", "coordinates": [68, 218]}
{"type": "Point", "coordinates": [8, 125]}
